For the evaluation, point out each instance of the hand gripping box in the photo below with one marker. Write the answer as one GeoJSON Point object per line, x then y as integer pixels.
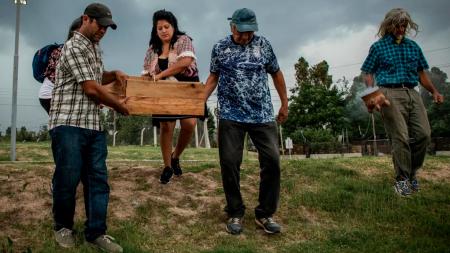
{"type": "Point", "coordinates": [164, 97]}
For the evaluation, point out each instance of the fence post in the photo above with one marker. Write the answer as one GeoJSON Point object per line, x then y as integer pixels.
{"type": "Point", "coordinates": [281, 140]}
{"type": "Point", "coordinates": [155, 136]}
{"type": "Point", "coordinates": [205, 132]}
{"type": "Point", "coordinates": [375, 149]}
{"type": "Point", "coordinates": [142, 136]}
{"type": "Point", "coordinates": [114, 138]}
{"type": "Point", "coordinates": [196, 135]}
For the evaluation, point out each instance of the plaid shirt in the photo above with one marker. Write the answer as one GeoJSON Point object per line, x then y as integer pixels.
{"type": "Point", "coordinates": [393, 63]}
{"type": "Point", "coordinates": [80, 61]}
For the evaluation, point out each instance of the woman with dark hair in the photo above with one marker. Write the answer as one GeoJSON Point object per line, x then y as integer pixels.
{"type": "Point", "coordinates": [45, 92]}
{"type": "Point", "coordinates": [171, 56]}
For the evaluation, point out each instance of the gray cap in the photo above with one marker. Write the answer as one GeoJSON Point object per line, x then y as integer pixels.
{"type": "Point", "coordinates": [101, 13]}
{"type": "Point", "coordinates": [245, 20]}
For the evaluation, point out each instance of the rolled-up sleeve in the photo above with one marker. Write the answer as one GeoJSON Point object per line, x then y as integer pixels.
{"type": "Point", "coordinates": [370, 64]}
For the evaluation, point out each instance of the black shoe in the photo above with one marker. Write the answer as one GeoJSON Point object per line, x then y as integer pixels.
{"type": "Point", "coordinates": [166, 175]}
{"type": "Point", "coordinates": [175, 162]}
{"type": "Point", "coordinates": [234, 225]}
{"type": "Point", "coordinates": [269, 225]}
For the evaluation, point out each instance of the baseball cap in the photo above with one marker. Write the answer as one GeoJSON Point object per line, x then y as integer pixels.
{"type": "Point", "coordinates": [101, 13]}
{"type": "Point", "coordinates": [245, 20]}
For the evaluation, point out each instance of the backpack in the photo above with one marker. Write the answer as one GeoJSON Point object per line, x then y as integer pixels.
{"type": "Point", "coordinates": [41, 59]}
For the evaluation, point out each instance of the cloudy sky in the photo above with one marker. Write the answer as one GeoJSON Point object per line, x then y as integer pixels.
{"type": "Point", "coordinates": [339, 32]}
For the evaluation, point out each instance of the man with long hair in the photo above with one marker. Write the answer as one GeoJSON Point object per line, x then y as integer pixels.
{"type": "Point", "coordinates": [396, 64]}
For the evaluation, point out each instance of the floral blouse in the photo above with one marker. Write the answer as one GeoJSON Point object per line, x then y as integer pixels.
{"type": "Point", "coordinates": [52, 62]}
{"type": "Point", "coordinates": [182, 48]}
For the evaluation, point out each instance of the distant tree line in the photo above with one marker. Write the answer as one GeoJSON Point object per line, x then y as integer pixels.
{"type": "Point", "coordinates": [24, 135]}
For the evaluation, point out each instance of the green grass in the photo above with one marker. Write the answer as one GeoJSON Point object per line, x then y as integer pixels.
{"type": "Point", "coordinates": [332, 205]}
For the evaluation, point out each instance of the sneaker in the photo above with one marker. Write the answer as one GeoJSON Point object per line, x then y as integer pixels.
{"type": "Point", "coordinates": [106, 243]}
{"type": "Point", "coordinates": [166, 175]}
{"type": "Point", "coordinates": [234, 225]}
{"type": "Point", "coordinates": [65, 238]}
{"type": "Point", "coordinates": [175, 162]}
{"type": "Point", "coordinates": [415, 187]}
{"type": "Point", "coordinates": [402, 188]}
{"type": "Point", "coordinates": [269, 225]}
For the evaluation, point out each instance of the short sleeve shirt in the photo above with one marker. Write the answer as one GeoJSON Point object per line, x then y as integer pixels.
{"type": "Point", "coordinates": [80, 61]}
{"type": "Point", "coordinates": [243, 89]}
{"type": "Point", "coordinates": [393, 63]}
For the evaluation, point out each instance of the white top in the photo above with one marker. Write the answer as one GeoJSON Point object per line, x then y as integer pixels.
{"type": "Point", "coordinates": [45, 92]}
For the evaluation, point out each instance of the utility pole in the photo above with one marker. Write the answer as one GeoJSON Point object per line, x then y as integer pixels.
{"type": "Point", "coordinates": [18, 3]}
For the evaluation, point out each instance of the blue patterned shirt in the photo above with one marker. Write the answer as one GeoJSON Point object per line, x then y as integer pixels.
{"type": "Point", "coordinates": [243, 90]}
{"type": "Point", "coordinates": [393, 63]}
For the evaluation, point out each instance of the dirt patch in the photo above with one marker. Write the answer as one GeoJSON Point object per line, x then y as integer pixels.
{"type": "Point", "coordinates": [26, 196]}
{"type": "Point", "coordinates": [441, 174]}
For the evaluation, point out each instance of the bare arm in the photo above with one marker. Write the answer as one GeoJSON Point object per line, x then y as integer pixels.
{"type": "Point", "coordinates": [427, 84]}
{"type": "Point", "coordinates": [100, 95]}
{"type": "Point", "coordinates": [368, 79]}
{"type": "Point", "coordinates": [280, 86]}
{"type": "Point", "coordinates": [211, 84]}
{"type": "Point", "coordinates": [176, 68]}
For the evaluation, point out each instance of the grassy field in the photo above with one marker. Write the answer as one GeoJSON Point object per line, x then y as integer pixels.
{"type": "Point", "coordinates": [329, 205]}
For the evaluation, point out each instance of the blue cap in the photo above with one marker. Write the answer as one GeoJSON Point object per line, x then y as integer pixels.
{"type": "Point", "coordinates": [245, 20]}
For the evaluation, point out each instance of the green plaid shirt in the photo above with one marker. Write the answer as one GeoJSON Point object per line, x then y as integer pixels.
{"type": "Point", "coordinates": [393, 63]}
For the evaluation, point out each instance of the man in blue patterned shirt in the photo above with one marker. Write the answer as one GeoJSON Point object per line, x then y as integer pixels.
{"type": "Point", "coordinates": [239, 66]}
{"type": "Point", "coordinates": [398, 64]}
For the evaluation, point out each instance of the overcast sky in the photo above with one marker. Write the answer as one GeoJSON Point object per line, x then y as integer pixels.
{"type": "Point", "coordinates": [339, 32]}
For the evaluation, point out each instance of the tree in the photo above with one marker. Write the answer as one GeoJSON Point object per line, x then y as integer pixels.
{"type": "Point", "coordinates": [438, 115]}
{"type": "Point", "coordinates": [315, 103]}
{"type": "Point", "coordinates": [43, 134]}
{"type": "Point", "coordinates": [356, 113]}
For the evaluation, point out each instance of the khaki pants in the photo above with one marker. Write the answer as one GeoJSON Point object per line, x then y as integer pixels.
{"type": "Point", "coordinates": [407, 125]}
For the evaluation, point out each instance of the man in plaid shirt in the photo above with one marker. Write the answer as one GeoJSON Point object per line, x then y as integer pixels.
{"type": "Point", "coordinates": [397, 64]}
{"type": "Point", "coordinates": [78, 140]}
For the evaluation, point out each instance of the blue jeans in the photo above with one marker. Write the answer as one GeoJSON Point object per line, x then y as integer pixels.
{"type": "Point", "coordinates": [80, 154]}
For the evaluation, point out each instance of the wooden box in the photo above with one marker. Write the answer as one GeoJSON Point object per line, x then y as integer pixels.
{"type": "Point", "coordinates": [146, 97]}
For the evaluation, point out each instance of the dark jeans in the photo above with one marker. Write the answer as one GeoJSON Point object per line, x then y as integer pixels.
{"type": "Point", "coordinates": [80, 154]}
{"type": "Point", "coordinates": [231, 145]}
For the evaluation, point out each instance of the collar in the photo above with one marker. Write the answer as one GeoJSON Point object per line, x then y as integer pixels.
{"type": "Point", "coordinates": [83, 39]}
{"type": "Point", "coordinates": [250, 42]}
{"type": "Point", "coordinates": [392, 39]}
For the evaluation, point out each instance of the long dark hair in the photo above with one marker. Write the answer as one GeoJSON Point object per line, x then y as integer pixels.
{"type": "Point", "coordinates": [76, 24]}
{"type": "Point", "coordinates": [155, 41]}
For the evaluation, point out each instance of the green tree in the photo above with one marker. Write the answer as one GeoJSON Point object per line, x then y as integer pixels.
{"type": "Point", "coordinates": [357, 116]}
{"type": "Point", "coordinates": [24, 135]}
{"type": "Point", "coordinates": [128, 127]}
{"type": "Point", "coordinates": [439, 115]}
{"type": "Point", "coordinates": [315, 103]}
{"type": "Point", "coordinates": [43, 134]}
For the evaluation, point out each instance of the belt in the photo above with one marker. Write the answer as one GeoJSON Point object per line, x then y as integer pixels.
{"type": "Point", "coordinates": [398, 85]}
